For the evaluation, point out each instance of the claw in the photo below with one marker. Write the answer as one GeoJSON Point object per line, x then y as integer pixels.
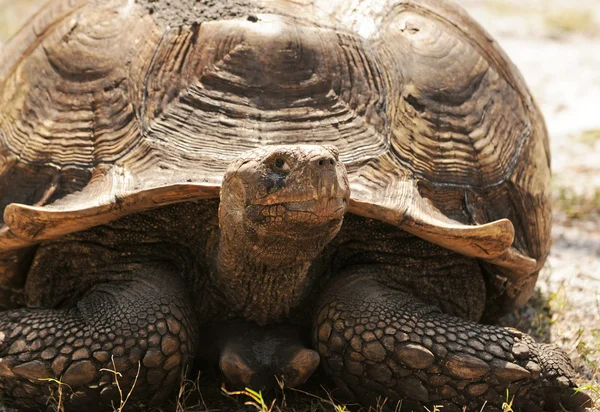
{"type": "Point", "coordinates": [257, 357]}
{"type": "Point", "coordinates": [575, 400]}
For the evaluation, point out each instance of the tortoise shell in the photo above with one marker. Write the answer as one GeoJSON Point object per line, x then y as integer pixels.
{"type": "Point", "coordinates": [112, 107]}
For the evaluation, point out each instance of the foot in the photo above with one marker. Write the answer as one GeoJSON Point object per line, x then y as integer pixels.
{"type": "Point", "coordinates": [142, 329]}
{"type": "Point", "coordinates": [260, 358]}
{"type": "Point", "coordinates": [382, 343]}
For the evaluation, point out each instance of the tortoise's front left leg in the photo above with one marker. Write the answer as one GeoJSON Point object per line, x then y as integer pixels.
{"type": "Point", "coordinates": [145, 324]}
{"type": "Point", "coordinates": [377, 342]}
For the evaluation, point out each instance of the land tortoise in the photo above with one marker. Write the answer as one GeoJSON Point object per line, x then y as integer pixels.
{"type": "Point", "coordinates": [183, 177]}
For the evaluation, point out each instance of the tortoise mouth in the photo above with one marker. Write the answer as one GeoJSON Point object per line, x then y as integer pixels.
{"type": "Point", "coordinates": [312, 212]}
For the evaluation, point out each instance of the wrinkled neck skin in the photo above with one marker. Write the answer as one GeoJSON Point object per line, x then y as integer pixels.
{"type": "Point", "coordinates": [280, 206]}
{"type": "Point", "coordinates": [264, 277]}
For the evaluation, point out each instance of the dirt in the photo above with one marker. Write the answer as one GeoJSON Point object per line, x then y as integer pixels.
{"type": "Point", "coordinates": [556, 45]}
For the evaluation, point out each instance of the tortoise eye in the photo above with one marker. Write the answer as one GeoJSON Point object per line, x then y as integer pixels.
{"type": "Point", "coordinates": [281, 165]}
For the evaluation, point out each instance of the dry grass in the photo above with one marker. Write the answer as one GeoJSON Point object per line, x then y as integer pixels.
{"type": "Point", "coordinates": [539, 315]}
{"type": "Point", "coordinates": [590, 137]}
{"type": "Point", "coordinates": [55, 400]}
{"type": "Point", "coordinates": [569, 20]}
{"type": "Point", "coordinates": [189, 395]}
{"type": "Point", "coordinates": [576, 203]}
{"type": "Point", "coordinates": [256, 399]}
{"type": "Point", "coordinates": [508, 403]}
{"type": "Point", "coordinates": [195, 396]}
{"type": "Point", "coordinates": [117, 375]}
{"type": "Point", "coordinates": [56, 397]}
{"type": "Point", "coordinates": [589, 351]}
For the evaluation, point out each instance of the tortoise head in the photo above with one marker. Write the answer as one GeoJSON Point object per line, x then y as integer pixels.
{"type": "Point", "coordinates": [280, 194]}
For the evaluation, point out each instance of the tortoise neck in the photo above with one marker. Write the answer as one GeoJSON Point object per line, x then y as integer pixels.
{"type": "Point", "coordinates": [260, 288]}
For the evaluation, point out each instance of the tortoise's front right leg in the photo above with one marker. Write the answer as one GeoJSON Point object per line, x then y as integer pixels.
{"type": "Point", "coordinates": [145, 323]}
{"type": "Point", "coordinates": [378, 342]}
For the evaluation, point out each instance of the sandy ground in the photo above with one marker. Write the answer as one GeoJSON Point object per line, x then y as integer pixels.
{"type": "Point", "coordinates": [556, 45]}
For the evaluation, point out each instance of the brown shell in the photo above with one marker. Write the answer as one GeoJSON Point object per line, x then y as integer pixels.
{"type": "Point", "coordinates": [112, 107]}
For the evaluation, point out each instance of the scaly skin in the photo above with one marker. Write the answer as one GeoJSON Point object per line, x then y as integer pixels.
{"type": "Point", "coordinates": [385, 343]}
{"type": "Point", "coordinates": [145, 322]}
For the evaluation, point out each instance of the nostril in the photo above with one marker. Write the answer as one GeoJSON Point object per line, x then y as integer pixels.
{"type": "Point", "coordinates": [325, 162]}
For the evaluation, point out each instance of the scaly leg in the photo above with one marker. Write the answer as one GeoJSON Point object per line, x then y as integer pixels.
{"type": "Point", "coordinates": [146, 323]}
{"type": "Point", "coordinates": [377, 342]}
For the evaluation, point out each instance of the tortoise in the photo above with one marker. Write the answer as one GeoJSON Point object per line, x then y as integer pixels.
{"type": "Point", "coordinates": [361, 184]}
